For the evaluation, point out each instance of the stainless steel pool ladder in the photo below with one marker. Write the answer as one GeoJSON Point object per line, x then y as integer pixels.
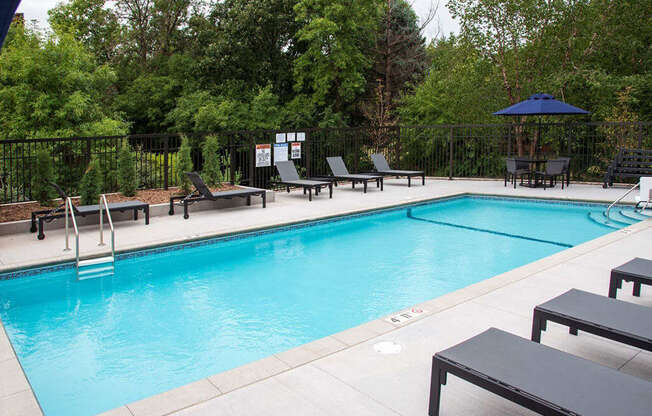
{"type": "Point", "coordinates": [101, 261]}
{"type": "Point", "coordinates": [606, 214]}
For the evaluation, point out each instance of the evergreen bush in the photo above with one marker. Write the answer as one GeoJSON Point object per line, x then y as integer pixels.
{"type": "Point", "coordinates": [212, 170]}
{"type": "Point", "coordinates": [91, 183]}
{"type": "Point", "coordinates": [184, 164]}
{"type": "Point", "coordinates": [127, 174]}
{"type": "Point", "coordinates": [42, 191]}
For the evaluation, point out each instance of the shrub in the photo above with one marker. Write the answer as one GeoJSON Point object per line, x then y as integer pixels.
{"type": "Point", "coordinates": [212, 169]}
{"type": "Point", "coordinates": [184, 164]}
{"type": "Point", "coordinates": [127, 175]}
{"type": "Point", "coordinates": [91, 183]}
{"type": "Point", "coordinates": [42, 191]}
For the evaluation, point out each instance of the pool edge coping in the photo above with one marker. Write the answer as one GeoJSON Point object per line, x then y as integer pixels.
{"type": "Point", "coordinates": [191, 394]}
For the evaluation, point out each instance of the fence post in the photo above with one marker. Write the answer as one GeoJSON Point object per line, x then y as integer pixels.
{"type": "Point", "coordinates": [308, 154]}
{"type": "Point", "coordinates": [232, 160]}
{"type": "Point", "coordinates": [252, 161]}
{"type": "Point", "coordinates": [450, 154]}
{"type": "Point", "coordinates": [166, 167]}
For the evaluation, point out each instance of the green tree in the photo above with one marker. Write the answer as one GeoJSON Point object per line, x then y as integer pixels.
{"type": "Point", "coordinates": [184, 164]}
{"type": "Point", "coordinates": [43, 173]}
{"type": "Point", "coordinates": [54, 88]}
{"type": "Point", "coordinates": [400, 55]}
{"type": "Point", "coordinates": [337, 35]}
{"type": "Point", "coordinates": [91, 184]}
{"type": "Point", "coordinates": [90, 22]}
{"type": "Point", "coordinates": [461, 86]}
{"type": "Point", "coordinates": [147, 100]}
{"type": "Point", "coordinates": [127, 174]}
{"type": "Point", "coordinates": [249, 43]}
{"type": "Point", "coordinates": [212, 169]}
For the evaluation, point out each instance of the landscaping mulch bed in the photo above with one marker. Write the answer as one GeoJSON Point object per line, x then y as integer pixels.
{"type": "Point", "coordinates": [23, 210]}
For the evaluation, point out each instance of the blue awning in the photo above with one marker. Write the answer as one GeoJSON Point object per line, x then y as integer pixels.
{"type": "Point", "coordinates": [539, 105]}
{"type": "Point", "coordinates": [7, 11]}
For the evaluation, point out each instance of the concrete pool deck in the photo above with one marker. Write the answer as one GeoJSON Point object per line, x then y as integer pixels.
{"type": "Point", "coordinates": [342, 373]}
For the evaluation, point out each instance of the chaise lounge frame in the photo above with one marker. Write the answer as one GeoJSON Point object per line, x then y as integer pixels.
{"type": "Point", "coordinates": [539, 378]}
{"type": "Point", "coordinates": [382, 167]}
{"type": "Point", "coordinates": [203, 193]}
{"type": "Point", "coordinates": [49, 215]}
{"type": "Point", "coordinates": [609, 318]}
{"type": "Point", "coordinates": [340, 172]}
{"type": "Point", "coordinates": [290, 178]}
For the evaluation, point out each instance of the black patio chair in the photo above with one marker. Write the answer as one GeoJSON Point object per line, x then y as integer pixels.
{"type": "Point", "coordinates": [50, 215]}
{"type": "Point", "coordinates": [203, 193]}
{"type": "Point", "coordinates": [382, 167]}
{"type": "Point", "coordinates": [290, 178]}
{"type": "Point", "coordinates": [554, 168]}
{"type": "Point", "coordinates": [514, 170]}
{"type": "Point", "coordinates": [542, 379]}
{"type": "Point", "coordinates": [340, 172]}
{"type": "Point", "coordinates": [566, 168]}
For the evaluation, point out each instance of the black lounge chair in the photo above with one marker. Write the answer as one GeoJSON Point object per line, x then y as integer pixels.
{"type": "Point", "coordinates": [340, 172]}
{"type": "Point", "coordinates": [382, 167]}
{"type": "Point", "coordinates": [44, 216]}
{"type": "Point", "coordinates": [637, 270]}
{"type": "Point", "coordinates": [290, 178]}
{"type": "Point", "coordinates": [203, 193]}
{"type": "Point", "coordinates": [602, 316]}
{"type": "Point", "coordinates": [540, 378]}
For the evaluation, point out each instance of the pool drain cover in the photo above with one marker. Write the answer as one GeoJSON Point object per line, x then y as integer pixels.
{"type": "Point", "coordinates": [387, 347]}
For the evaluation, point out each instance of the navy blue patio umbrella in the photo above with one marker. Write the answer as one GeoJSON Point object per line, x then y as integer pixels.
{"type": "Point", "coordinates": [7, 10]}
{"type": "Point", "coordinates": [540, 105]}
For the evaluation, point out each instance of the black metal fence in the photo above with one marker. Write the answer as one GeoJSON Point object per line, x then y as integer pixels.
{"type": "Point", "coordinates": [440, 150]}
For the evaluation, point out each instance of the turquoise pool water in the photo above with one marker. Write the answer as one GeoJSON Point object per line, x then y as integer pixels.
{"type": "Point", "coordinates": [173, 317]}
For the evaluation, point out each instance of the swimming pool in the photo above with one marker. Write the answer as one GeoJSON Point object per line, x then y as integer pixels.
{"type": "Point", "coordinates": [172, 316]}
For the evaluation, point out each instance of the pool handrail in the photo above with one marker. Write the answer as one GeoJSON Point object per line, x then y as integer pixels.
{"type": "Point", "coordinates": [606, 214]}
{"type": "Point", "coordinates": [71, 212]}
{"type": "Point", "coordinates": [105, 206]}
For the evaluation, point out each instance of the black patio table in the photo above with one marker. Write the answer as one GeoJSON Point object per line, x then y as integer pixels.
{"type": "Point", "coordinates": [535, 166]}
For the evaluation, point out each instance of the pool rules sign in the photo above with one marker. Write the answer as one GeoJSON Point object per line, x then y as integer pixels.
{"type": "Point", "coordinates": [295, 150]}
{"type": "Point", "coordinates": [263, 155]}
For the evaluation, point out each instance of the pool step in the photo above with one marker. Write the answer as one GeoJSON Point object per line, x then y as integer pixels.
{"type": "Point", "coordinates": [633, 215]}
{"type": "Point", "coordinates": [599, 218]}
{"type": "Point", "coordinates": [94, 268]}
{"type": "Point", "coordinates": [647, 213]}
{"type": "Point", "coordinates": [617, 216]}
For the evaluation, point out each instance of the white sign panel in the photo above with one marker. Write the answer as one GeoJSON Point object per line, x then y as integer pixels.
{"type": "Point", "coordinates": [291, 137]}
{"type": "Point", "coordinates": [301, 137]}
{"type": "Point", "coordinates": [280, 137]}
{"type": "Point", "coordinates": [296, 150]}
{"type": "Point", "coordinates": [280, 152]}
{"type": "Point", "coordinates": [263, 155]}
